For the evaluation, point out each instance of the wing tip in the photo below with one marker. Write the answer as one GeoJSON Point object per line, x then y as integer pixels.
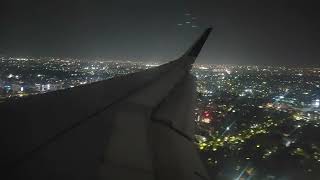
{"type": "Point", "coordinates": [195, 49]}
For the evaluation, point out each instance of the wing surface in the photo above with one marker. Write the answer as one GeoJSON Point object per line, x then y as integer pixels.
{"type": "Point", "coordinates": [138, 126]}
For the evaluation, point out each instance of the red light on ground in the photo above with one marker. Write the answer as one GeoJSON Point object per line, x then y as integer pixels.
{"type": "Point", "coordinates": [206, 117]}
{"type": "Point", "coordinates": [206, 114]}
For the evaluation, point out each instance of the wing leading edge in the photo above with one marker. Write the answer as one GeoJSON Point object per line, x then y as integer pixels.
{"type": "Point", "coordinates": [138, 126]}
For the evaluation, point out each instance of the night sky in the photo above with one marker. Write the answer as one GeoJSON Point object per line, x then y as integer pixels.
{"type": "Point", "coordinates": [284, 32]}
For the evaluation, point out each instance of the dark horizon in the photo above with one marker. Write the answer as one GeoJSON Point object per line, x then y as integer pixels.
{"type": "Point", "coordinates": [88, 59]}
{"type": "Point", "coordinates": [264, 33]}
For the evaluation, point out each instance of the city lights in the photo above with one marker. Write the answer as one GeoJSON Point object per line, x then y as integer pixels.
{"type": "Point", "coordinates": [242, 114]}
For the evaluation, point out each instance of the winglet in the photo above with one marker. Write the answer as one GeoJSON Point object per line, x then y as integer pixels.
{"type": "Point", "coordinates": [195, 49]}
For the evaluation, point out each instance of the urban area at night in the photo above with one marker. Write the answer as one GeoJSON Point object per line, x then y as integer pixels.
{"type": "Point", "coordinates": [252, 122]}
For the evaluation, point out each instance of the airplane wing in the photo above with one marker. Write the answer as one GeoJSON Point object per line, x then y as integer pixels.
{"type": "Point", "coordinates": [137, 126]}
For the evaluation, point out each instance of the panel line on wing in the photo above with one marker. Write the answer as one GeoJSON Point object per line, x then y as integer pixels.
{"type": "Point", "coordinates": [169, 125]}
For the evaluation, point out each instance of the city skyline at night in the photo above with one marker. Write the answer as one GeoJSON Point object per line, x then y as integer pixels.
{"type": "Point", "coordinates": [116, 89]}
{"type": "Point", "coordinates": [246, 116]}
